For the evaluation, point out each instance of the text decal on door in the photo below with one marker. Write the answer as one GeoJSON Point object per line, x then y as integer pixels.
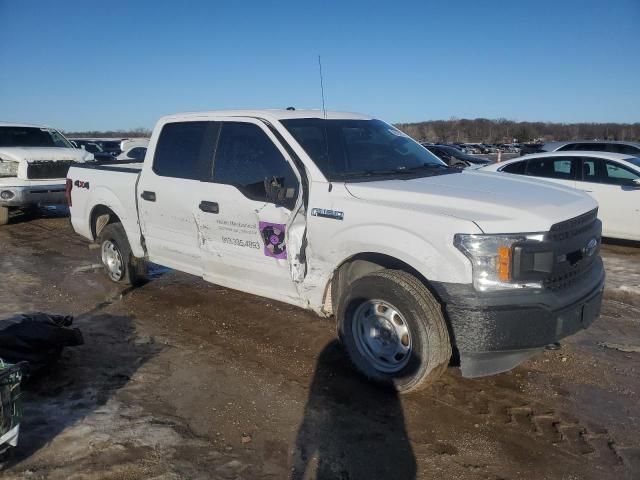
{"type": "Point", "coordinates": [273, 238]}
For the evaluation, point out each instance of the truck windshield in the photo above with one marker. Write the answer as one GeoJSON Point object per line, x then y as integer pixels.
{"type": "Point", "coordinates": [350, 149]}
{"type": "Point", "coordinates": [32, 137]}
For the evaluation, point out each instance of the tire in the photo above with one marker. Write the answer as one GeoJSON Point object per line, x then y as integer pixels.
{"type": "Point", "coordinates": [414, 327]}
{"type": "Point", "coordinates": [119, 263]}
{"type": "Point", "coordinates": [4, 215]}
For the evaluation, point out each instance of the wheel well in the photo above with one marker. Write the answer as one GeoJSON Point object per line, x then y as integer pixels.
{"type": "Point", "coordinates": [362, 264]}
{"type": "Point", "coordinates": [96, 214]}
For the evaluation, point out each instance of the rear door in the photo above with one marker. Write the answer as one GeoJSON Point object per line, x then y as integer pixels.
{"type": "Point", "coordinates": [247, 210]}
{"type": "Point", "coordinates": [169, 193]}
{"type": "Point", "coordinates": [611, 184]}
{"type": "Point", "coordinates": [562, 170]}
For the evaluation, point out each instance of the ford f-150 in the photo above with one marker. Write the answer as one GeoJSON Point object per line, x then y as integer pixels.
{"type": "Point", "coordinates": [422, 265]}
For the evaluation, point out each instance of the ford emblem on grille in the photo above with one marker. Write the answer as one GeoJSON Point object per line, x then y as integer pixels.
{"type": "Point", "coordinates": [590, 248]}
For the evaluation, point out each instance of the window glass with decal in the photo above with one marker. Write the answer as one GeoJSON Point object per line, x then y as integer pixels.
{"type": "Point", "coordinates": [185, 150]}
{"type": "Point", "coordinates": [247, 159]}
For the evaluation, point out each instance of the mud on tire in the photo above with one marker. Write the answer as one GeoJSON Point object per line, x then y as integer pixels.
{"type": "Point", "coordinates": [119, 263]}
{"type": "Point", "coordinates": [415, 320]}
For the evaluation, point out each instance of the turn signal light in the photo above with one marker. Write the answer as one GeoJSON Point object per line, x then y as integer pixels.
{"type": "Point", "coordinates": [504, 264]}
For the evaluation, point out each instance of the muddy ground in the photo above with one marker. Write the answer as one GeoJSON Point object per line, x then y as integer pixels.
{"type": "Point", "coordinates": [183, 379]}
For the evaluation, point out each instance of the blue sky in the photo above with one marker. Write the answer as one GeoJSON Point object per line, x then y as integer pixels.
{"type": "Point", "coordinates": [81, 65]}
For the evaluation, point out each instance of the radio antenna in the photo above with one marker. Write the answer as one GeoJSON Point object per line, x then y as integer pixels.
{"type": "Point", "coordinates": [324, 111]}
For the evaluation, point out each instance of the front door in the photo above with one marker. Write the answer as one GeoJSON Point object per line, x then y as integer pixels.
{"type": "Point", "coordinates": [611, 184]}
{"type": "Point", "coordinates": [246, 212]}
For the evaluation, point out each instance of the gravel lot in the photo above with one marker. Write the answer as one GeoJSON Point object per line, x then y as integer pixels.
{"type": "Point", "coordinates": [184, 379]}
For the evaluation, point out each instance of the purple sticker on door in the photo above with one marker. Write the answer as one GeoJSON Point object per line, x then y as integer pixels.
{"type": "Point", "coordinates": [273, 238]}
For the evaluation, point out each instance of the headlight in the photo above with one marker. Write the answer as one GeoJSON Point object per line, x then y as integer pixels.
{"type": "Point", "coordinates": [493, 262]}
{"type": "Point", "coordinates": [8, 168]}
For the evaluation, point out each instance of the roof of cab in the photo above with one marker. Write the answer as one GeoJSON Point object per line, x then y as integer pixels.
{"type": "Point", "coordinates": [270, 114]}
{"type": "Point", "coordinates": [14, 124]}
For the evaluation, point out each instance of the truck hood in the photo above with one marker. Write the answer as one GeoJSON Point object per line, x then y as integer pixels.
{"type": "Point", "coordinates": [496, 203]}
{"type": "Point", "coordinates": [39, 154]}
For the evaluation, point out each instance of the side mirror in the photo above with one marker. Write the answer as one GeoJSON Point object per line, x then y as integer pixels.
{"type": "Point", "coordinates": [278, 193]}
{"type": "Point", "coordinates": [636, 183]}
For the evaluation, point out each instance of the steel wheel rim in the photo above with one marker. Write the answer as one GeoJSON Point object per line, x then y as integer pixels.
{"type": "Point", "coordinates": [382, 335]}
{"type": "Point", "coordinates": [112, 260]}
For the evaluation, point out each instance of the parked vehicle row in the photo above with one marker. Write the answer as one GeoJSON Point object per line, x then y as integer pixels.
{"type": "Point", "coordinates": [113, 148]}
{"type": "Point", "coordinates": [613, 179]}
{"type": "Point", "coordinates": [34, 161]}
{"type": "Point", "coordinates": [344, 214]}
{"type": "Point", "coordinates": [456, 158]}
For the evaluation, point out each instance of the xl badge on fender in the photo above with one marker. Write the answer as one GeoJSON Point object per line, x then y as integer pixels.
{"type": "Point", "coordinates": [323, 212]}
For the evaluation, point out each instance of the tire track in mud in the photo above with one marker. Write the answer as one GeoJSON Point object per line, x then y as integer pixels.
{"type": "Point", "coordinates": [560, 429]}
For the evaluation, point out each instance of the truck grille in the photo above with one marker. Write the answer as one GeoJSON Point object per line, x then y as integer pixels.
{"type": "Point", "coordinates": [48, 170]}
{"type": "Point", "coordinates": [570, 239]}
{"type": "Point", "coordinates": [573, 227]}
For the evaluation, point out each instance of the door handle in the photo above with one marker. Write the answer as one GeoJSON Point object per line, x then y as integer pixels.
{"type": "Point", "coordinates": [209, 207]}
{"type": "Point", "coordinates": [148, 196]}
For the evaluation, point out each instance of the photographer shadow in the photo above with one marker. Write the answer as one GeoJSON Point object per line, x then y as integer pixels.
{"type": "Point", "coordinates": [351, 429]}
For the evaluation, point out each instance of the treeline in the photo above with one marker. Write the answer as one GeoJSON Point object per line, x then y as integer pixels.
{"type": "Point", "coordinates": [478, 130]}
{"type": "Point", "coordinates": [483, 130]}
{"type": "Point", "coordinates": [136, 132]}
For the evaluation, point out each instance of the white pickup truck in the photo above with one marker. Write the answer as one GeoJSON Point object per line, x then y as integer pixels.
{"type": "Point", "coordinates": [34, 161]}
{"type": "Point", "coordinates": [343, 214]}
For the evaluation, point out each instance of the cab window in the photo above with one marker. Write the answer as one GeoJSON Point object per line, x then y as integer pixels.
{"type": "Point", "coordinates": [185, 150]}
{"type": "Point", "coordinates": [247, 159]}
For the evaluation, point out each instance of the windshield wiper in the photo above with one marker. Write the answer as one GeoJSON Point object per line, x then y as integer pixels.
{"type": "Point", "coordinates": [390, 172]}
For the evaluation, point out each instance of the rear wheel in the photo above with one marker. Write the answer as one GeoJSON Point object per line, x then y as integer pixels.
{"type": "Point", "coordinates": [4, 215]}
{"type": "Point", "coordinates": [393, 330]}
{"type": "Point", "coordinates": [119, 263]}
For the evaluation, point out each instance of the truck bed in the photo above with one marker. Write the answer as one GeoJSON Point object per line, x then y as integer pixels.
{"type": "Point", "coordinates": [105, 187]}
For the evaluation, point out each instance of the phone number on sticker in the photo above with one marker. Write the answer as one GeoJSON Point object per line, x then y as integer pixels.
{"type": "Point", "coordinates": [241, 243]}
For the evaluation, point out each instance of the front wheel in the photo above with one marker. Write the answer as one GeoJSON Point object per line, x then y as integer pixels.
{"type": "Point", "coordinates": [119, 263]}
{"type": "Point", "coordinates": [393, 330]}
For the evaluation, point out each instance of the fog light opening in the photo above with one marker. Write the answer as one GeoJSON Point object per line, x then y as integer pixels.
{"type": "Point", "coordinates": [6, 195]}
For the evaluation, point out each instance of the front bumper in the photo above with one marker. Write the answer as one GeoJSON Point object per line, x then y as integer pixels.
{"type": "Point", "coordinates": [29, 195]}
{"type": "Point", "coordinates": [495, 332]}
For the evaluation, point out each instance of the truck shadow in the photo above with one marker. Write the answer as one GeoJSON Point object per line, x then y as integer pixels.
{"type": "Point", "coordinates": [351, 428]}
{"type": "Point", "coordinates": [84, 379]}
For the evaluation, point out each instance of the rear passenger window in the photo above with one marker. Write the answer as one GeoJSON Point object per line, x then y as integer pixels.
{"type": "Point", "coordinates": [563, 168]}
{"type": "Point", "coordinates": [247, 159]}
{"type": "Point", "coordinates": [517, 168]}
{"type": "Point", "coordinates": [185, 150]}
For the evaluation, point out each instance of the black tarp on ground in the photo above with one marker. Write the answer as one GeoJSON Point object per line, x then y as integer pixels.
{"type": "Point", "coordinates": [37, 338]}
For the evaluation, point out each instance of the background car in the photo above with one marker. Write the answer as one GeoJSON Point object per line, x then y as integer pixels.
{"type": "Point", "coordinates": [454, 157]}
{"type": "Point", "coordinates": [627, 148]}
{"type": "Point", "coordinates": [92, 147]}
{"type": "Point", "coordinates": [613, 179]}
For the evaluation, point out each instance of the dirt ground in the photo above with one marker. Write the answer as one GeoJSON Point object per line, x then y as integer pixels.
{"type": "Point", "coordinates": [180, 379]}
